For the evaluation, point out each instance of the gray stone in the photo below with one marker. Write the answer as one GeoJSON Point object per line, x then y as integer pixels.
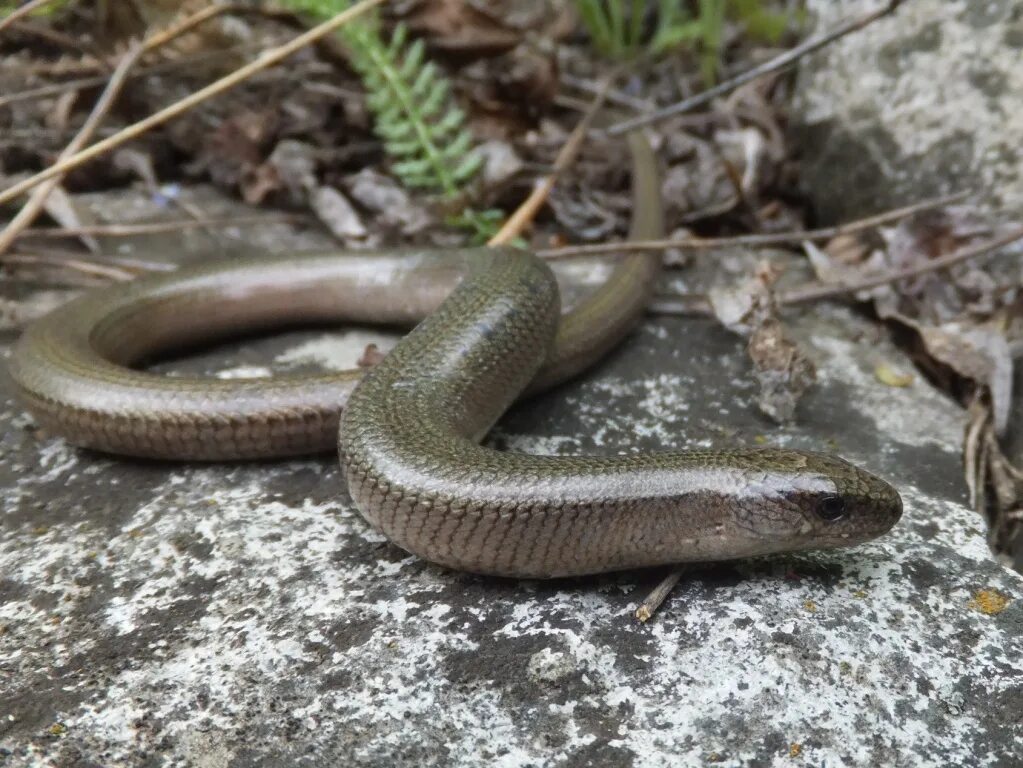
{"type": "Point", "coordinates": [244, 614]}
{"type": "Point", "coordinates": [925, 102]}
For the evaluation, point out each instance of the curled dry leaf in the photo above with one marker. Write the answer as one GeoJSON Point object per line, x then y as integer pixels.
{"type": "Point", "coordinates": [337, 213]}
{"type": "Point", "coordinates": [746, 152]}
{"type": "Point", "coordinates": [63, 209]}
{"type": "Point", "coordinates": [939, 297]}
{"type": "Point", "coordinates": [849, 260]}
{"type": "Point", "coordinates": [500, 162]}
{"type": "Point", "coordinates": [511, 92]}
{"type": "Point", "coordinates": [370, 356]}
{"type": "Point", "coordinates": [780, 367]}
{"type": "Point", "coordinates": [940, 307]}
{"type": "Point", "coordinates": [390, 202]}
{"type": "Point", "coordinates": [582, 213]}
{"type": "Point", "coordinates": [291, 168]}
{"type": "Point", "coordinates": [460, 28]}
{"type": "Point", "coordinates": [995, 484]}
{"type": "Point", "coordinates": [711, 177]}
{"type": "Point", "coordinates": [783, 371]}
{"type": "Point", "coordinates": [979, 354]}
{"type": "Point", "coordinates": [236, 148]}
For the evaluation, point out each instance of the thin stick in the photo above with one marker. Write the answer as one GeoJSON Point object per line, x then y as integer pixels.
{"type": "Point", "coordinates": [81, 48]}
{"type": "Point", "coordinates": [527, 211]}
{"type": "Point", "coordinates": [817, 291]}
{"type": "Point", "coordinates": [612, 96]}
{"type": "Point", "coordinates": [22, 12]}
{"type": "Point", "coordinates": [268, 59]}
{"type": "Point", "coordinates": [53, 89]}
{"type": "Point", "coordinates": [159, 39]}
{"type": "Point", "coordinates": [779, 238]}
{"type": "Point", "coordinates": [777, 63]}
{"type": "Point", "coordinates": [87, 82]}
{"type": "Point", "coordinates": [164, 36]}
{"type": "Point", "coordinates": [156, 227]}
{"type": "Point", "coordinates": [35, 204]}
{"type": "Point", "coordinates": [697, 304]}
{"type": "Point", "coordinates": [37, 200]}
{"type": "Point", "coordinates": [91, 268]}
{"type": "Point", "coordinates": [653, 601]}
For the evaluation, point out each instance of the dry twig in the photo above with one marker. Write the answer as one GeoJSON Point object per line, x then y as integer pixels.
{"type": "Point", "coordinates": [527, 211]}
{"type": "Point", "coordinates": [817, 291]}
{"type": "Point", "coordinates": [699, 304]}
{"type": "Point", "coordinates": [56, 89]}
{"type": "Point", "coordinates": [779, 238]}
{"type": "Point", "coordinates": [22, 12]}
{"type": "Point", "coordinates": [156, 227]}
{"type": "Point", "coordinates": [267, 59]}
{"type": "Point", "coordinates": [106, 272]}
{"type": "Point", "coordinates": [37, 200]}
{"type": "Point", "coordinates": [653, 601]}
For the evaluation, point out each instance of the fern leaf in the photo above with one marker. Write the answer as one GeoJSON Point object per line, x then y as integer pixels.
{"type": "Point", "coordinates": [421, 129]}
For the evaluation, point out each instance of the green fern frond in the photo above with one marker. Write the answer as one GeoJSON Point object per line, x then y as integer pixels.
{"type": "Point", "coordinates": [422, 130]}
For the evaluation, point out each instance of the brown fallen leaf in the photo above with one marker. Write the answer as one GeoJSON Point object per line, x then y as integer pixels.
{"type": "Point", "coordinates": [236, 148]}
{"type": "Point", "coordinates": [337, 213]}
{"type": "Point", "coordinates": [979, 354]}
{"type": "Point", "coordinates": [462, 29]}
{"type": "Point", "coordinates": [780, 367]}
{"type": "Point", "coordinates": [370, 356]}
{"type": "Point", "coordinates": [392, 204]}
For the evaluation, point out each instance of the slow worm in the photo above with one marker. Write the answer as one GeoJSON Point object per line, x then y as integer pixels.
{"type": "Point", "coordinates": [410, 427]}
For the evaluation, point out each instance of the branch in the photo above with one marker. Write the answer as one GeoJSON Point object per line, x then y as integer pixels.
{"type": "Point", "coordinates": [267, 59]}
{"type": "Point", "coordinates": [155, 227]}
{"type": "Point", "coordinates": [527, 210]}
{"type": "Point", "coordinates": [780, 62]}
{"type": "Point", "coordinates": [19, 13]}
{"type": "Point", "coordinates": [107, 272]}
{"type": "Point", "coordinates": [699, 305]}
{"type": "Point", "coordinates": [817, 291]}
{"type": "Point", "coordinates": [777, 238]}
{"type": "Point", "coordinates": [37, 200]}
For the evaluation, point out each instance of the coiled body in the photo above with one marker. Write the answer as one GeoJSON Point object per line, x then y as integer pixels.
{"type": "Point", "coordinates": [74, 369]}
{"type": "Point", "coordinates": [409, 429]}
{"type": "Point", "coordinates": [409, 446]}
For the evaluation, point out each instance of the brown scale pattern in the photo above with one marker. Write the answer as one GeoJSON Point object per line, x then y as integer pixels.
{"type": "Point", "coordinates": [410, 454]}
{"type": "Point", "coordinates": [410, 437]}
{"type": "Point", "coordinates": [73, 368]}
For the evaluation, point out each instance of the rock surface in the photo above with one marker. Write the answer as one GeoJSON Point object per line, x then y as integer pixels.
{"type": "Point", "coordinates": [925, 102]}
{"type": "Point", "coordinates": [240, 615]}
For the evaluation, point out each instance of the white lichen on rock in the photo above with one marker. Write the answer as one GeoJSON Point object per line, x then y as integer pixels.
{"type": "Point", "coordinates": [926, 101]}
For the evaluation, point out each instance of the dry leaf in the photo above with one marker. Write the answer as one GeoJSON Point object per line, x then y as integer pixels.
{"type": "Point", "coordinates": [780, 367]}
{"type": "Point", "coordinates": [62, 209]}
{"type": "Point", "coordinates": [334, 210]}
{"type": "Point", "coordinates": [370, 357]}
{"type": "Point", "coordinates": [385, 197]}
{"type": "Point", "coordinates": [461, 28]}
{"type": "Point", "coordinates": [980, 354]}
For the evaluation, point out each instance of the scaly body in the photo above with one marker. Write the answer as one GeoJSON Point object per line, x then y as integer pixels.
{"type": "Point", "coordinates": [409, 429]}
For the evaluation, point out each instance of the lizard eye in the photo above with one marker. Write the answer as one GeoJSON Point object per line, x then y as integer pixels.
{"type": "Point", "coordinates": [831, 508]}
